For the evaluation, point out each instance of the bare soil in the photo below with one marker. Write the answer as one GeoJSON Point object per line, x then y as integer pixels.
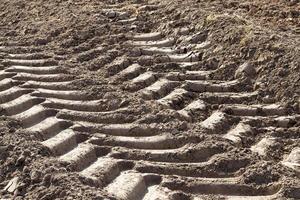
{"type": "Point", "coordinates": [150, 99]}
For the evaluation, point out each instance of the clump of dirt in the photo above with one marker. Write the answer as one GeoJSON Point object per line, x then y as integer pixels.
{"type": "Point", "coordinates": [262, 173]}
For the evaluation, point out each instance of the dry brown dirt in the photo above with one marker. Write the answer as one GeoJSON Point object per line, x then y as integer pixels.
{"type": "Point", "coordinates": [146, 100]}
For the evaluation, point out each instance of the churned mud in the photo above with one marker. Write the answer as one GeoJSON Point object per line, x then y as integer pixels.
{"type": "Point", "coordinates": [144, 100]}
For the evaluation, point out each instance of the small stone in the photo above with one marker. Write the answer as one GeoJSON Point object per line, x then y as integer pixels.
{"type": "Point", "coordinates": [111, 14]}
{"type": "Point", "coordinates": [20, 161]}
{"type": "Point", "coordinates": [268, 99]}
{"type": "Point", "coordinates": [12, 185]}
{"type": "Point", "coordinates": [245, 70]}
{"type": "Point", "coordinates": [184, 31]}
